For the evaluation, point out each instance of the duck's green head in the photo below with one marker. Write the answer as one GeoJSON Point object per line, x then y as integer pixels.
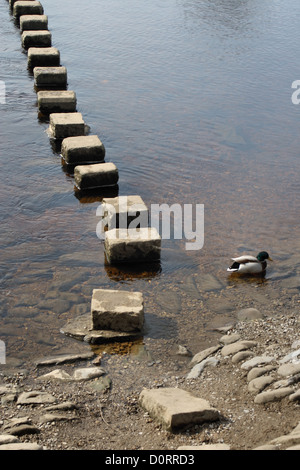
{"type": "Point", "coordinates": [263, 255]}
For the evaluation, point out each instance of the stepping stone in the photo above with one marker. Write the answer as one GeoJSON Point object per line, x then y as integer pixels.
{"type": "Point", "coordinates": [122, 211]}
{"type": "Point", "coordinates": [43, 57]}
{"type": "Point", "coordinates": [41, 38]}
{"type": "Point", "coordinates": [56, 101]}
{"type": "Point", "coordinates": [82, 150]}
{"type": "Point", "coordinates": [175, 408]}
{"type": "Point", "coordinates": [50, 76]}
{"type": "Point", "coordinates": [64, 125]}
{"type": "Point", "coordinates": [33, 23]}
{"type": "Point", "coordinates": [95, 176]}
{"type": "Point", "coordinates": [27, 8]}
{"type": "Point", "coordinates": [117, 310]}
{"type": "Point", "coordinates": [132, 245]}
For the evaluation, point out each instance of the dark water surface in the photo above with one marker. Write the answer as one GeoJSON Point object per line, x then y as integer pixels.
{"type": "Point", "coordinates": [192, 101]}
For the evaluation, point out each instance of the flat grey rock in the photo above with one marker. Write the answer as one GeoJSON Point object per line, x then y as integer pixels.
{"type": "Point", "coordinates": [175, 408]}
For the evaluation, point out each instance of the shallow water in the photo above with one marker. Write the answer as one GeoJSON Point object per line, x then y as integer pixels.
{"type": "Point", "coordinates": [192, 101]}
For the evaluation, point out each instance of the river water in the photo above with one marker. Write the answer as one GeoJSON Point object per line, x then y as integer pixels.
{"type": "Point", "coordinates": [193, 102]}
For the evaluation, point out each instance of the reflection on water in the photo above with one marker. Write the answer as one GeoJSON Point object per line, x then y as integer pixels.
{"type": "Point", "coordinates": [192, 101]}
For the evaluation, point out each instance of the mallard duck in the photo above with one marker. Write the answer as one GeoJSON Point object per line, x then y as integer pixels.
{"type": "Point", "coordinates": [248, 264]}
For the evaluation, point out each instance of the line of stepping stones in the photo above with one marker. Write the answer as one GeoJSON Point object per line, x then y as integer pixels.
{"type": "Point", "coordinates": [86, 154]}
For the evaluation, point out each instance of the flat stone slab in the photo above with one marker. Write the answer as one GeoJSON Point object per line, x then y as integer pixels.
{"type": "Point", "coordinates": [132, 245]}
{"type": "Point", "coordinates": [50, 77]}
{"type": "Point", "coordinates": [117, 310]}
{"type": "Point", "coordinates": [27, 8]}
{"type": "Point", "coordinates": [175, 408]}
{"type": "Point", "coordinates": [35, 398]}
{"type": "Point", "coordinates": [123, 211]}
{"type": "Point", "coordinates": [82, 150]}
{"type": "Point", "coordinates": [41, 38]}
{"type": "Point", "coordinates": [43, 57]}
{"type": "Point", "coordinates": [96, 176]}
{"type": "Point", "coordinates": [54, 101]}
{"type": "Point", "coordinates": [63, 125]}
{"type": "Point", "coordinates": [33, 22]}
{"type": "Point", "coordinates": [80, 328]}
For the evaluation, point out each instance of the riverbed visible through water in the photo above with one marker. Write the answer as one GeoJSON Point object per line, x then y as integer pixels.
{"type": "Point", "coordinates": [193, 103]}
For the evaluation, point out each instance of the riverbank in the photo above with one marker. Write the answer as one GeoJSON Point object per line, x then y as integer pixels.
{"type": "Point", "coordinates": [104, 412]}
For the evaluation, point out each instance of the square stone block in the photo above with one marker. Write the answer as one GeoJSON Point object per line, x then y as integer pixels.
{"type": "Point", "coordinates": [41, 38]}
{"type": "Point", "coordinates": [56, 101]}
{"type": "Point", "coordinates": [47, 77]}
{"type": "Point", "coordinates": [64, 125]}
{"type": "Point", "coordinates": [83, 150]}
{"type": "Point", "coordinates": [33, 22]}
{"type": "Point", "coordinates": [95, 176]}
{"type": "Point", "coordinates": [175, 408]}
{"type": "Point", "coordinates": [132, 245]}
{"type": "Point", "coordinates": [30, 7]}
{"type": "Point", "coordinates": [117, 310]}
{"type": "Point", "coordinates": [43, 57]}
{"type": "Point", "coordinates": [125, 211]}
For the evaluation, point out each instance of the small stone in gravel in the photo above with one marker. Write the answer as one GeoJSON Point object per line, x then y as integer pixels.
{"type": "Point", "coordinates": [200, 356]}
{"type": "Point", "coordinates": [258, 371]}
{"type": "Point", "coordinates": [229, 339]}
{"type": "Point", "coordinates": [7, 439]}
{"type": "Point", "coordinates": [288, 369]}
{"type": "Point", "coordinates": [35, 398]}
{"type": "Point", "coordinates": [183, 351]}
{"type": "Point", "coordinates": [64, 358]}
{"type": "Point", "coordinates": [295, 396]}
{"type": "Point", "coordinates": [198, 368]}
{"type": "Point", "coordinates": [237, 347]}
{"type": "Point", "coordinates": [241, 356]}
{"type": "Point", "coordinates": [57, 374]}
{"type": "Point", "coordinates": [249, 314]}
{"type": "Point", "coordinates": [256, 361]}
{"type": "Point", "coordinates": [22, 446]}
{"type": "Point", "coordinates": [88, 373]}
{"type": "Point", "coordinates": [24, 429]}
{"type": "Point", "coordinates": [49, 418]}
{"type": "Point", "coordinates": [258, 384]}
{"type": "Point", "coordinates": [65, 406]}
{"type": "Point", "coordinates": [273, 395]}
{"type": "Point", "coordinates": [206, 447]}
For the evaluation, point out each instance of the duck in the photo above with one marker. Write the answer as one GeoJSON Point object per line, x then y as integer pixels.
{"type": "Point", "coordinates": [248, 264]}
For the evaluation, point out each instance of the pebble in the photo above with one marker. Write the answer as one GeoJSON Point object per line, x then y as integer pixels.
{"type": "Point", "coordinates": [258, 384]}
{"type": "Point", "coordinates": [258, 371]}
{"type": "Point", "coordinates": [241, 356]}
{"type": "Point", "coordinates": [34, 398]}
{"type": "Point", "coordinates": [237, 347]}
{"type": "Point", "coordinates": [198, 368]}
{"type": "Point", "coordinates": [273, 395]}
{"type": "Point", "coordinates": [256, 361]}
{"type": "Point", "coordinates": [21, 446]}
